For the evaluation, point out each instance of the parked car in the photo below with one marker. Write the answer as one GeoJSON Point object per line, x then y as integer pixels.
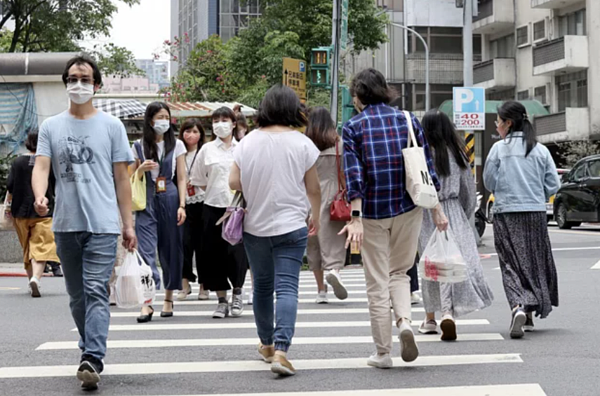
{"type": "Point", "coordinates": [549, 205]}
{"type": "Point", "coordinates": [578, 199]}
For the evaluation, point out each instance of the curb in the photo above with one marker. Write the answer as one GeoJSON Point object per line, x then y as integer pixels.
{"type": "Point", "coordinates": [20, 275]}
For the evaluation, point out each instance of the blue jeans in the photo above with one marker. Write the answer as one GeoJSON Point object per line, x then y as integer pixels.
{"type": "Point", "coordinates": [87, 262]}
{"type": "Point", "coordinates": [275, 263]}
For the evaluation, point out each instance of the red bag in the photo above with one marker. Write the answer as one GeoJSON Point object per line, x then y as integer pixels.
{"type": "Point", "coordinates": [340, 209]}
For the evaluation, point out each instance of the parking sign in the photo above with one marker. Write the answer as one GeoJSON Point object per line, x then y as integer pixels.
{"type": "Point", "coordinates": [469, 108]}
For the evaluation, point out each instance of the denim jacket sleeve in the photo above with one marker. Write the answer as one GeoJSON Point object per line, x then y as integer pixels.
{"type": "Point", "coordinates": [490, 170]}
{"type": "Point", "coordinates": [551, 178]}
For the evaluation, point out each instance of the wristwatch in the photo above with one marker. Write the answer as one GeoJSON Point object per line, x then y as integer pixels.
{"type": "Point", "coordinates": [356, 213]}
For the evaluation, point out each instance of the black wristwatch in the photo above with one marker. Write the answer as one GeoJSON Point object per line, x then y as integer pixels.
{"type": "Point", "coordinates": [356, 213]}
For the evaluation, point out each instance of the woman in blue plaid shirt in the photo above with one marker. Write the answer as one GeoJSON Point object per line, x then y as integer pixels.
{"type": "Point", "coordinates": [383, 209]}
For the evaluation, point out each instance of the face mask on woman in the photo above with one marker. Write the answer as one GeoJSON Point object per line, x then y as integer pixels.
{"type": "Point", "coordinates": [191, 138]}
{"type": "Point", "coordinates": [223, 129]}
{"type": "Point", "coordinates": [161, 126]}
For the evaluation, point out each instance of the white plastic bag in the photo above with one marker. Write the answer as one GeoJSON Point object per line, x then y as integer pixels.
{"type": "Point", "coordinates": [6, 220]}
{"type": "Point", "coordinates": [135, 285]}
{"type": "Point", "coordinates": [442, 261]}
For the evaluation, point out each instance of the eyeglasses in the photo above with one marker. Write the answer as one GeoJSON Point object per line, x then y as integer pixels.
{"type": "Point", "coordinates": [84, 80]}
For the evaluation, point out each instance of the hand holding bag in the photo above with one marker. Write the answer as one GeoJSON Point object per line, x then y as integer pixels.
{"type": "Point", "coordinates": [419, 184]}
{"type": "Point", "coordinates": [340, 208]}
{"type": "Point", "coordinates": [6, 219]}
{"type": "Point", "coordinates": [233, 220]}
{"type": "Point", "coordinates": [442, 261]}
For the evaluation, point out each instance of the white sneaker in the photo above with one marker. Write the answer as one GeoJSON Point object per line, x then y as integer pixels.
{"type": "Point", "coordinates": [34, 286]}
{"type": "Point", "coordinates": [322, 297]}
{"type": "Point", "coordinates": [415, 299]}
{"type": "Point", "coordinates": [428, 327]}
{"type": "Point", "coordinates": [334, 279]}
{"type": "Point", "coordinates": [237, 305]}
{"type": "Point", "coordinates": [408, 345]}
{"type": "Point", "coordinates": [380, 361]}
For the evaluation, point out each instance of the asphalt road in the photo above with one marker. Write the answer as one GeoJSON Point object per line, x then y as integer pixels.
{"type": "Point", "coordinates": [561, 358]}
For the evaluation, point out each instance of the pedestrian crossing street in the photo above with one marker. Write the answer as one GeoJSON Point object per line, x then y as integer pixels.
{"type": "Point", "coordinates": [333, 339]}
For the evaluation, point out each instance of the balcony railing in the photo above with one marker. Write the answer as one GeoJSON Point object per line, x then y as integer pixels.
{"type": "Point", "coordinates": [549, 52]}
{"type": "Point", "coordinates": [553, 123]}
{"type": "Point", "coordinates": [483, 71]}
{"type": "Point", "coordinates": [486, 9]}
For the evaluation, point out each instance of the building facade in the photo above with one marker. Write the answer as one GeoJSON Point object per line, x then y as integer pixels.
{"type": "Point", "coordinates": [543, 50]}
{"type": "Point", "coordinates": [157, 72]}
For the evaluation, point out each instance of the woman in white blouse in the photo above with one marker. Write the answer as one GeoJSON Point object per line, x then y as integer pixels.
{"type": "Point", "coordinates": [223, 266]}
{"type": "Point", "coordinates": [161, 157]}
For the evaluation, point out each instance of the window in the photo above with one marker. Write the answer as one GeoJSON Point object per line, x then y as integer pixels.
{"type": "Point", "coordinates": [540, 95]}
{"type": "Point", "coordinates": [573, 24]}
{"type": "Point", "coordinates": [441, 40]}
{"type": "Point", "coordinates": [594, 168]}
{"type": "Point", "coordinates": [539, 31]}
{"type": "Point", "coordinates": [439, 94]}
{"type": "Point", "coordinates": [572, 90]}
{"type": "Point", "coordinates": [523, 36]}
{"type": "Point", "coordinates": [523, 95]}
{"type": "Point", "coordinates": [503, 47]}
{"type": "Point", "coordinates": [580, 173]}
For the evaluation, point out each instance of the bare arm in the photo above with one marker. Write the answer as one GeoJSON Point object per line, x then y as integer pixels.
{"type": "Point", "coordinates": [123, 188]}
{"type": "Point", "coordinates": [182, 188]}
{"type": "Point", "coordinates": [313, 192]}
{"type": "Point", "coordinates": [39, 184]}
{"type": "Point", "coordinates": [235, 178]}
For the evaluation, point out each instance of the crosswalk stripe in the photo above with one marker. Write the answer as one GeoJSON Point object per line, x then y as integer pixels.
{"type": "Point", "coordinates": [229, 324]}
{"type": "Point", "coordinates": [247, 312]}
{"type": "Point", "coordinates": [250, 365]}
{"type": "Point", "coordinates": [126, 344]}
{"type": "Point", "coordinates": [475, 390]}
{"type": "Point", "coordinates": [333, 300]}
{"type": "Point", "coordinates": [307, 286]}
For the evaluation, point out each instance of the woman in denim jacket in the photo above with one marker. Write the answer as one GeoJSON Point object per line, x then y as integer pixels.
{"type": "Point", "coordinates": [521, 174]}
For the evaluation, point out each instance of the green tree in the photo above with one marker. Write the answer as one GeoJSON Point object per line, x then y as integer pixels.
{"type": "Point", "coordinates": [572, 152]}
{"type": "Point", "coordinates": [115, 61]}
{"type": "Point", "coordinates": [57, 25]}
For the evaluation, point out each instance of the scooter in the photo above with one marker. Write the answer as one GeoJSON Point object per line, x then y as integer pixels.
{"type": "Point", "coordinates": [480, 218]}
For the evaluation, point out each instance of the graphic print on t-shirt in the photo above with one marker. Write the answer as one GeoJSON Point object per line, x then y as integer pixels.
{"type": "Point", "coordinates": [74, 153]}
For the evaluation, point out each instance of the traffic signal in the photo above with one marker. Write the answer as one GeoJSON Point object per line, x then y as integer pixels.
{"type": "Point", "coordinates": [320, 66]}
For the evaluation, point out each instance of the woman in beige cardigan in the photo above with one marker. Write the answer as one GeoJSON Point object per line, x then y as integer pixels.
{"type": "Point", "coordinates": [326, 251]}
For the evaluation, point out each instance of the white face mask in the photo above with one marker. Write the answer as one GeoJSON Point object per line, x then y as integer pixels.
{"type": "Point", "coordinates": [80, 93]}
{"type": "Point", "coordinates": [161, 126]}
{"type": "Point", "coordinates": [223, 129]}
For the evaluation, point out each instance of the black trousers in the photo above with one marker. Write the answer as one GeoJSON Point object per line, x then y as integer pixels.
{"type": "Point", "coordinates": [414, 276]}
{"type": "Point", "coordinates": [223, 266]}
{"type": "Point", "coordinates": [192, 241]}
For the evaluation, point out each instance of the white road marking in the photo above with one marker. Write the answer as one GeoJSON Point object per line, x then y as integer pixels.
{"type": "Point", "coordinates": [596, 266]}
{"type": "Point", "coordinates": [171, 367]}
{"type": "Point", "coordinates": [213, 302]}
{"type": "Point", "coordinates": [164, 343]}
{"type": "Point", "coordinates": [230, 324]}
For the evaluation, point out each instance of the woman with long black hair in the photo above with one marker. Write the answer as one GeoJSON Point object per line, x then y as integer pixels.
{"type": "Point", "coordinates": [521, 174]}
{"type": "Point", "coordinates": [458, 199]}
{"type": "Point", "coordinates": [161, 158]}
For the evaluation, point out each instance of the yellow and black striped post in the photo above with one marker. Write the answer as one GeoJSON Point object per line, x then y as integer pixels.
{"type": "Point", "coordinates": [470, 143]}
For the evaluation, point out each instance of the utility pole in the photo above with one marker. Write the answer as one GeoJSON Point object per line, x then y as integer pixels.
{"type": "Point", "coordinates": [468, 43]}
{"type": "Point", "coordinates": [336, 60]}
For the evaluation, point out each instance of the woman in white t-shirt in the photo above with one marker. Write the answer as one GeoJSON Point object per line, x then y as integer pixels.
{"type": "Point", "coordinates": [161, 158]}
{"type": "Point", "coordinates": [275, 167]}
{"type": "Point", "coordinates": [192, 135]}
{"type": "Point", "coordinates": [224, 267]}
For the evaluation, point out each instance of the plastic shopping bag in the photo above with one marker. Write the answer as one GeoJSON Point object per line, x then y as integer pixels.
{"type": "Point", "coordinates": [442, 261]}
{"type": "Point", "coordinates": [6, 219]}
{"type": "Point", "coordinates": [135, 285]}
{"type": "Point", "coordinates": [138, 192]}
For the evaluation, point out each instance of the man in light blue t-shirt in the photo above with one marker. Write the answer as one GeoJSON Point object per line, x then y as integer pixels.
{"type": "Point", "coordinates": [89, 153]}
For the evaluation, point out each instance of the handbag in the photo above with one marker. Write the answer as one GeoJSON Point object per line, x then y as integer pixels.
{"type": "Point", "coordinates": [6, 219]}
{"type": "Point", "coordinates": [233, 220]}
{"type": "Point", "coordinates": [340, 208]}
{"type": "Point", "coordinates": [419, 184]}
{"type": "Point", "coordinates": [138, 186]}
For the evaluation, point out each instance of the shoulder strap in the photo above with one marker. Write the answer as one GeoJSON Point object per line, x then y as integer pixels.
{"type": "Point", "coordinates": [411, 132]}
{"type": "Point", "coordinates": [338, 165]}
{"type": "Point", "coordinates": [140, 152]}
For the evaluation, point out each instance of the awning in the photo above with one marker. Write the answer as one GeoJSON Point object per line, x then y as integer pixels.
{"type": "Point", "coordinates": [204, 109]}
{"type": "Point", "coordinates": [534, 108]}
{"type": "Point", "coordinates": [123, 109]}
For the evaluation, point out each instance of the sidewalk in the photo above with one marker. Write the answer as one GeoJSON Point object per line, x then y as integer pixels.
{"type": "Point", "coordinates": [14, 269]}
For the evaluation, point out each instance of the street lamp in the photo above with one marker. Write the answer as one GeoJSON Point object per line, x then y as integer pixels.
{"type": "Point", "coordinates": [427, 88]}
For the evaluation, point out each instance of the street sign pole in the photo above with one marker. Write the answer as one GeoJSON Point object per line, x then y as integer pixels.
{"type": "Point", "coordinates": [336, 60]}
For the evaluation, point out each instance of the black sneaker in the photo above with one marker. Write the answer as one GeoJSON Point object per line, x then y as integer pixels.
{"type": "Point", "coordinates": [528, 327]}
{"type": "Point", "coordinates": [89, 375]}
{"type": "Point", "coordinates": [517, 323]}
{"type": "Point", "coordinates": [56, 269]}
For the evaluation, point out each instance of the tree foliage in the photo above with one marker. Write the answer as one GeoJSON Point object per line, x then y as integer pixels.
{"type": "Point", "coordinates": [115, 61]}
{"type": "Point", "coordinates": [572, 152]}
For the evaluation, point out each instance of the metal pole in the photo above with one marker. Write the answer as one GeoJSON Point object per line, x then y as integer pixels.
{"type": "Point", "coordinates": [427, 87]}
{"type": "Point", "coordinates": [468, 43]}
{"type": "Point", "coordinates": [336, 60]}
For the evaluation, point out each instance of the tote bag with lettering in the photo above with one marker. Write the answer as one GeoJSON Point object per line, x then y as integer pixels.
{"type": "Point", "coordinates": [419, 184]}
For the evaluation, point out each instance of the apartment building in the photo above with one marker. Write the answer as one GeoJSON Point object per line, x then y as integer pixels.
{"type": "Point", "coordinates": [544, 50]}
{"type": "Point", "coordinates": [196, 20]}
{"type": "Point", "coordinates": [157, 72]}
